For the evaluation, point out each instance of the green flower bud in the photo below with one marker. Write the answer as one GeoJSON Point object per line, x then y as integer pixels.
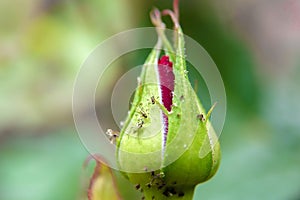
{"type": "Point", "coordinates": [167, 145]}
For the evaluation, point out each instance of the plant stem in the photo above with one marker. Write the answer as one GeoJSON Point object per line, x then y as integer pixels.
{"type": "Point", "coordinates": [154, 193]}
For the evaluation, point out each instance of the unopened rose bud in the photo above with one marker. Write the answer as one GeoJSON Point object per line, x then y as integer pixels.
{"type": "Point", "coordinates": [159, 148]}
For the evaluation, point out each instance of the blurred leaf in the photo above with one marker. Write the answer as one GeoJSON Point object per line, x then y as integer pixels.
{"type": "Point", "coordinates": [44, 167]}
{"type": "Point", "coordinates": [103, 184]}
{"type": "Point", "coordinates": [257, 164]}
{"type": "Point", "coordinates": [231, 55]}
{"type": "Point", "coordinates": [107, 183]}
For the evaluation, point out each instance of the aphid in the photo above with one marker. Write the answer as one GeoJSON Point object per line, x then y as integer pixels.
{"type": "Point", "coordinates": [141, 123]}
{"type": "Point", "coordinates": [172, 191]}
{"type": "Point", "coordinates": [138, 186]}
{"type": "Point", "coordinates": [157, 179]}
{"type": "Point", "coordinates": [112, 135]}
{"type": "Point", "coordinates": [152, 173]}
{"type": "Point", "coordinates": [167, 193]}
{"type": "Point", "coordinates": [181, 98]}
{"type": "Point", "coordinates": [160, 187]}
{"type": "Point", "coordinates": [153, 100]}
{"type": "Point", "coordinates": [143, 113]}
{"type": "Point", "coordinates": [201, 117]}
{"type": "Point", "coordinates": [180, 194]}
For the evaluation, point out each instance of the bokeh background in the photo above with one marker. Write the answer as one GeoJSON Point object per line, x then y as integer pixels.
{"type": "Point", "coordinates": [255, 44]}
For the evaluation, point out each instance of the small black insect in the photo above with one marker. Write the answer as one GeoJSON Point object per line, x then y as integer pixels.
{"type": "Point", "coordinates": [153, 100]}
{"type": "Point", "coordinates": [112, 135]}
{"type": "Point", "coordinates": [181, 98]}
{"type": "Point", "coordinates": [166, 193]}
{"type": "Point", "coordinates": [143, 113]}
{"type": "Point", "coordinates": [152, 173]}
{"type": "Point", "coordinates": [160, 187]}
{"type": "Point", "coordinates": [201, 117]}
{"type": "Point", "coordinates": [180, 194]}
{"type": "Point", "coordinates": [138, 186]}
{"type": "Point", "coordinates": [140, 124]}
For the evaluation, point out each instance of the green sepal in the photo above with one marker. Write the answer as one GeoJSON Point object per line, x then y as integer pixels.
{"type": "Point", "coordinates": [142, 136]}
{"type": "Point", "coordinates": [191, 134]}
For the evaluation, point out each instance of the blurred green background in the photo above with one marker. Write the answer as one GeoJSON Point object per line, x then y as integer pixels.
{"type": "Point", "coordinates": [255, 44]}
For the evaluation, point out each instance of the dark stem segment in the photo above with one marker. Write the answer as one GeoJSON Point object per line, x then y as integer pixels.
{"type": "Point", "coordinates": [166, 78]}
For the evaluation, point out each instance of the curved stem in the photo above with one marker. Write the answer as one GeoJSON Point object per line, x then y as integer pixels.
{"type": "Point", "coordinates": [176, 8]}
{"type": "Point", "coordinates": [173, 16]}
{"type": "Point", "coordinates": [155, 16]}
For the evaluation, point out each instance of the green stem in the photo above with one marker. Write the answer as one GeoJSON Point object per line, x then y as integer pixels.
{"type": "Point", "coordinates": [160, 194]}
{"type": "Point", "coordinates": [160, 28]}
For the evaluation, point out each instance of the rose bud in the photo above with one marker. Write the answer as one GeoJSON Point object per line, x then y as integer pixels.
{"type": "Point", "coordinates": [167, 127]}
